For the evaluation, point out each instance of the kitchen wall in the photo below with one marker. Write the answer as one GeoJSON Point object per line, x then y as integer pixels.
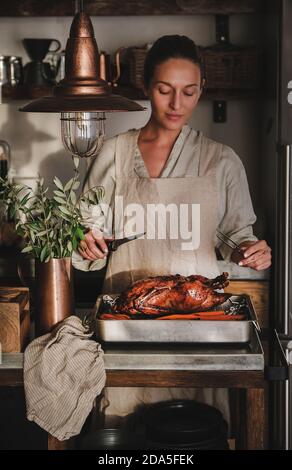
{"type": "Point", "coordinates": [35, 138]}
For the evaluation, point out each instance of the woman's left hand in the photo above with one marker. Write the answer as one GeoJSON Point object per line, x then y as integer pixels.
{"type": "Point", "coordinates": [255, 255]}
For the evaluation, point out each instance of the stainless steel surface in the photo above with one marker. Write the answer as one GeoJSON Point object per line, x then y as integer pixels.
{"type": "Point", "coordinates": [11, 361]}
{"type": "Point", "coordinates": [288, 397]}
{"type": "Point", "coordinates": [11, 71]}
{"type": "Point", "coordinates": [3, 70]}
{"type": "Point", "coordinates": [248, 356]}
{"type": "Point", "coordinates": [281, 345]}
{"type": "Point", "coordinates": [289, 357]}
{"type": "Point", "coordinates": [178, 331]}
{"type": "Point", "coordinates": [287, 241]}
{"type": "Point", "coordinates": [15, 71]}
{"type": "Point", "coordinates": [276, 147]}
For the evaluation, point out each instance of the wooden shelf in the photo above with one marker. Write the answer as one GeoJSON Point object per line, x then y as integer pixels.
{"type": "Point", "coordinates": [129, 8]}
{"type": "Point", "coordinates": [21, 92]}
{"type": "Point", "coordinates": [26, 94]}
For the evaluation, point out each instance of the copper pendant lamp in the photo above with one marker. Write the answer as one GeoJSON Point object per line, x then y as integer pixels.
{"type": "Point", "coordinates": [82, 97]}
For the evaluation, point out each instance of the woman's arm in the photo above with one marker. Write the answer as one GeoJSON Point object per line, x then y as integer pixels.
{"type": "Point", "coordinates": [92, 251]}
{"type": "Point", "coordinates": [239, 217]}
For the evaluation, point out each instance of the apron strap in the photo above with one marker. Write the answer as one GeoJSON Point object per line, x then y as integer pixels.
{"type": "Point", "coordinates": [125, 154]}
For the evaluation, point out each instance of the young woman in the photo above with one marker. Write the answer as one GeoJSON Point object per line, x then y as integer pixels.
{"type": "Point", "coordinates": [168, 163]}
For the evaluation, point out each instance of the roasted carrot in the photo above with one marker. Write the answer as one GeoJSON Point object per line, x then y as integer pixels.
{"type": "Point", "coordinates": [224, 317]}
{"type": "Point", "coordinates": [193, 316]}
{"type": "Point", "coordinates": [215, 315]}
{"type": "Point", "coordinates": [114, 316]}
{"type": "Point", "coordinates": [210, 313]}
{"type": "Point", "coordinates": [177, 316]}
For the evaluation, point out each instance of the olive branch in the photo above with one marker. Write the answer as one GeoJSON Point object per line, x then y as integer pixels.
{"type": "Point", "coordinates": [50, 227]}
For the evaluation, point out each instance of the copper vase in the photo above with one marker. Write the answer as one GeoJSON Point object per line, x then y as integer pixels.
{"type": "Point", "coordinates": [54, 293]}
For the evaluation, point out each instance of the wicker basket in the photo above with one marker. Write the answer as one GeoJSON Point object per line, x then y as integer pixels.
{"type": "Point", "coordinates": [236, 68]}
{"type": "Point", "coordinates": [135, 58]}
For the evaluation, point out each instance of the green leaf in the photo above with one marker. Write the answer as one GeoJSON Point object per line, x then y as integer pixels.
{"type": "Point", "coordinates": [79, 233]}
{"type": "Point", "coordinates": [44, 253]}
{"type": "Point", "coordinates": [59, 200]}
{"type": "Point", "coordinates": [48, 216]}
{"type": "Point", "coordinates": [64, 210]}
{"type": "Point", "coordinates": [33, 225]}
{"type": "Point", "coordinates": [76, 185]}
{"type": "Point", "coordinates": [59, 193]}
{"type": "Point", "coordinates": [27, 249]}
{"type": "Point", "coordinates": [32, 235]}
{"type": "Point", "coordinates": [66, 217]}
{"type": "Point", "coordinates": [24, 200]}
{"type": "Point", "coordinates": [17, 191]}
{"type": "Point", "coordinates": [69, 184]}
{"type": "Point", "coordinates": [69, 246]}
{"type": "Point", "coordinates": [11, 212]}
{"type": "Point", "coordinates": [74, 243]}
{"type": "Point", "coordinates": [73, 198]}
{"type": "Point", "coordinates": [42, 233]}
{"type": "Point", "coordinates": [58, 183]}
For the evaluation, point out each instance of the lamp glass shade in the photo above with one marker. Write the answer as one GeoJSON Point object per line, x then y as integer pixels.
{"type": "Point", "coordinates": [83, 133]}
{"type": "Point", "coordinates": [82, 97]}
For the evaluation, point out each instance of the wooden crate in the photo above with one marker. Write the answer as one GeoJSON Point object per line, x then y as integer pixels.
{"type": "Point", "coordinates": [14, 318]}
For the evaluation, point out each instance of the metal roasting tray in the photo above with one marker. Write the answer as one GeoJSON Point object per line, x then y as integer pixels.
{"type": "Point", "coordinates": [223, 357]}
{"type": "Point", "coordinates": [179, 331]}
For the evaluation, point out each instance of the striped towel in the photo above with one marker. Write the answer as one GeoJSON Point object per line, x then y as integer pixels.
{"type": "Point", "coordinates": [63, 374]}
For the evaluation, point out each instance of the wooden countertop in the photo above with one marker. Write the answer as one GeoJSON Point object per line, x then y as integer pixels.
{"type": "Point", "coordinates": [11, 374]}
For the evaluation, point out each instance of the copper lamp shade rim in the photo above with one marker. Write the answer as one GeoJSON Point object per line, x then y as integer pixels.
{"type": "Point", "coordinates": [86, 103]}
{"type": "Point", "coordinates": [82, 89]}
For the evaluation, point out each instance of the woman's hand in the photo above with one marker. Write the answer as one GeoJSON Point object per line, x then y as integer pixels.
{"type": "Point", "coordinates": [93, 246]}
{"type": "Point", "coordinates": [255, 255]}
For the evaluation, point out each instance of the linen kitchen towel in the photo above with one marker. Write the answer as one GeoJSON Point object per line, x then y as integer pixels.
{"type": "Point", "coordinates": [63, 374]}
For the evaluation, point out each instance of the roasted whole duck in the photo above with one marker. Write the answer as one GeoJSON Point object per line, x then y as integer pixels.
{"type": "Point", "coordinates": [166, 295]}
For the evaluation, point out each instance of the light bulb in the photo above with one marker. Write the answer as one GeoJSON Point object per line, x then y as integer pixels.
{"type": "Point", "coordinates": [83, 132]}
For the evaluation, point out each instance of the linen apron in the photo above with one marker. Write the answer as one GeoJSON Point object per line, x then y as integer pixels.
{"type": "Point", "coordinates": [150, 257]}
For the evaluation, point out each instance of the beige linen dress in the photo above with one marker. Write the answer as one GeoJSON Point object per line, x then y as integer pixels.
{"type": "Point", "coordinates": [198, 171]}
